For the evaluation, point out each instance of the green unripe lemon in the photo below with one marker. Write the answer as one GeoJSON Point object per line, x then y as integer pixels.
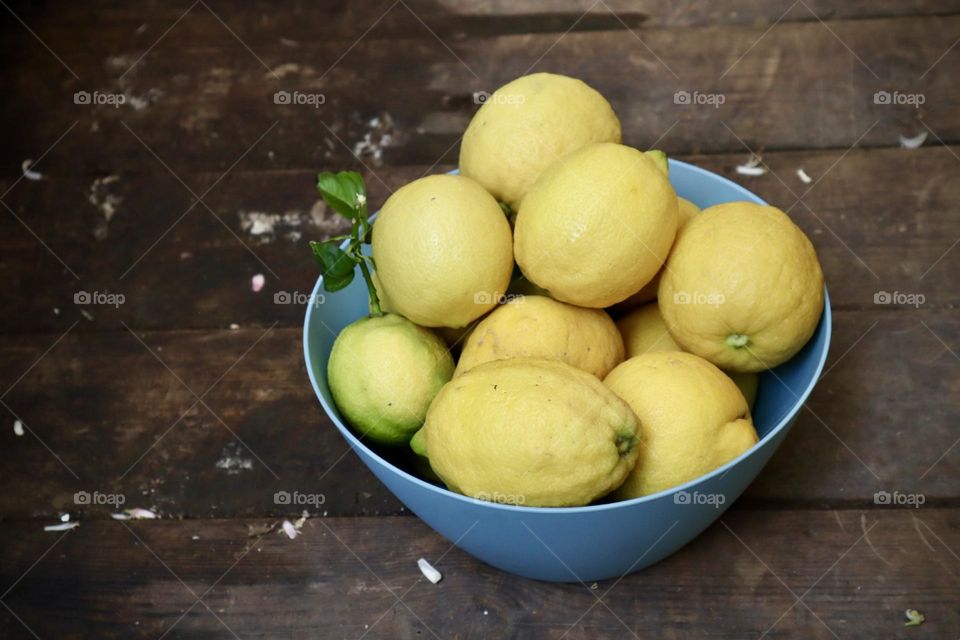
{"type": "Point", "coordinates": [384, 372]}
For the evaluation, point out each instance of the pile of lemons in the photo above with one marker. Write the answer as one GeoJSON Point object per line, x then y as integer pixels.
{"type": "Point", "coordinates": [520, 264]}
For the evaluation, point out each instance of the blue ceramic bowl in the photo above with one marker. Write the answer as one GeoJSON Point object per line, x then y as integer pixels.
{"type": "Point", "coordinates": [599, 541]}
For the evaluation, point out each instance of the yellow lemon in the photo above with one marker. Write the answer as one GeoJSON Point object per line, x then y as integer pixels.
{"type": "Point", "coordinates": [454, 338]}
{"type": "Point", "coordinates": [686, 210]}
{"type": "Point", "coordinates": [742, 288]}
{"type": "Point", "coordinates": [748, 383]}
{"type": "Point", "coordinates": [527, 124]}
{"type": "Point", "coordinates": [693, 416]}
{"type": "Point", "coordinates": [644, 331]}
{"type": "Point", "coordinates": [520, 286]}
{"type": "Point", "coordinates": [529, 431]}
{"type": "Point", "coordinates": [538, 327]}
{"type": "Point", "coordinates": [384, 372]}
{"type": "Point", "coordinates": [596, 226]}
{"type": "Point", "coordinates": [443, 251]}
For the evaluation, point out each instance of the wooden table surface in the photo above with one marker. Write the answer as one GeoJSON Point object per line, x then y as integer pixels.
{"type": "Point", "coordinates": [177, 176]}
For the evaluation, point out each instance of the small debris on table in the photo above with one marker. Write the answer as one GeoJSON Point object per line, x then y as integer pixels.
{"type": "Point", "coordinates": [381, 133]}
{"type": "Point", "coordinates": [290, 68]}
{"type": "Point", "coordinates": [428, 571]}
{"type": "Point", "coordinates": [232, 460]}
{"type": "Point", "coordinates": [18, 427]}
{"type": "Point", "coordinates": [135, 514]}
{"type": "Point", "coordinates": [803, 176]}
{"type": "Point", "coordinates": [27, 173]}
{"type": "Point", "coordinates": [915, 142]}
{"type": "Point", "coordinates": [64, 517]}
{"type": "Point", "coordinates": [65, 526]}
{"type": "Point", "coordinates": [257, 282]}
{"type": "Point", "coordinates": [259, 530]}
{"type": "Point", "coordinates": [234, 326]}
{"type": "Point", "coordinates": [295, 528]}
{"type": "Point", "coordinates": [289, 529]}
{"type": "Point", "coordinates": [914, 618]}
{"type": "Point", "coordinates": [751, 167]}
{"type": "Point", "coordinates": [99, 196]}
{"type": "Point", "coordinates": [265, 226]}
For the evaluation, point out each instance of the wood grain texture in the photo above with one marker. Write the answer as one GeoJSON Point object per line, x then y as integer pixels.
{"type": "Point", "coordinates": [200, 107]}
{"type": "Point", "coordinates": [122, 422]}
{"type": "Point", "coordinates": [159, 400]}
{"type": "Point", "coordinates": [301, 22]}
{"type": "Point", "coordinates": [854, 571]}
{"type": "Point", "coordinates": [179, 267]}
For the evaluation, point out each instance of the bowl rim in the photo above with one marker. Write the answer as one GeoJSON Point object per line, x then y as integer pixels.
{"type": "Point", "coordinates": [826, 319]}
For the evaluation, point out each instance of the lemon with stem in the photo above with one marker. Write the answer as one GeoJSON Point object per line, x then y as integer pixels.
{"type": "Point", "coordinates": [383, 370]}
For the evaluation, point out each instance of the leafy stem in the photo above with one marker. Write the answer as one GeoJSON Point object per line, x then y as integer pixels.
{"type": "Point", "coordinates": [346, 193]}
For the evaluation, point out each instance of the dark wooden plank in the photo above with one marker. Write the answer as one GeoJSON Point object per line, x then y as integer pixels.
{"type": "Point", "coordinates": [200, 107]}
{"type": "Point", "coordinates": [855, 573]}
{"type": "Point", "coordinates": [68, 27]}
{"type": "Point", "coordinates": [258, 431]}
{"type": "Point", "coordinates": [881, 419]}
{"type": "Point", "coordinates": [196, 273]}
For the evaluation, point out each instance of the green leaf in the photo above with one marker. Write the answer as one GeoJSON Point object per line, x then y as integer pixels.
{"type": "Point", "coordinates": [334, 283]}
{"type": "Point", "coordinates": [345, 192]}
{"type": "Point", "coordinates": [507, 211]}
{"type": "Point", "coordinates": [336, 265]}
